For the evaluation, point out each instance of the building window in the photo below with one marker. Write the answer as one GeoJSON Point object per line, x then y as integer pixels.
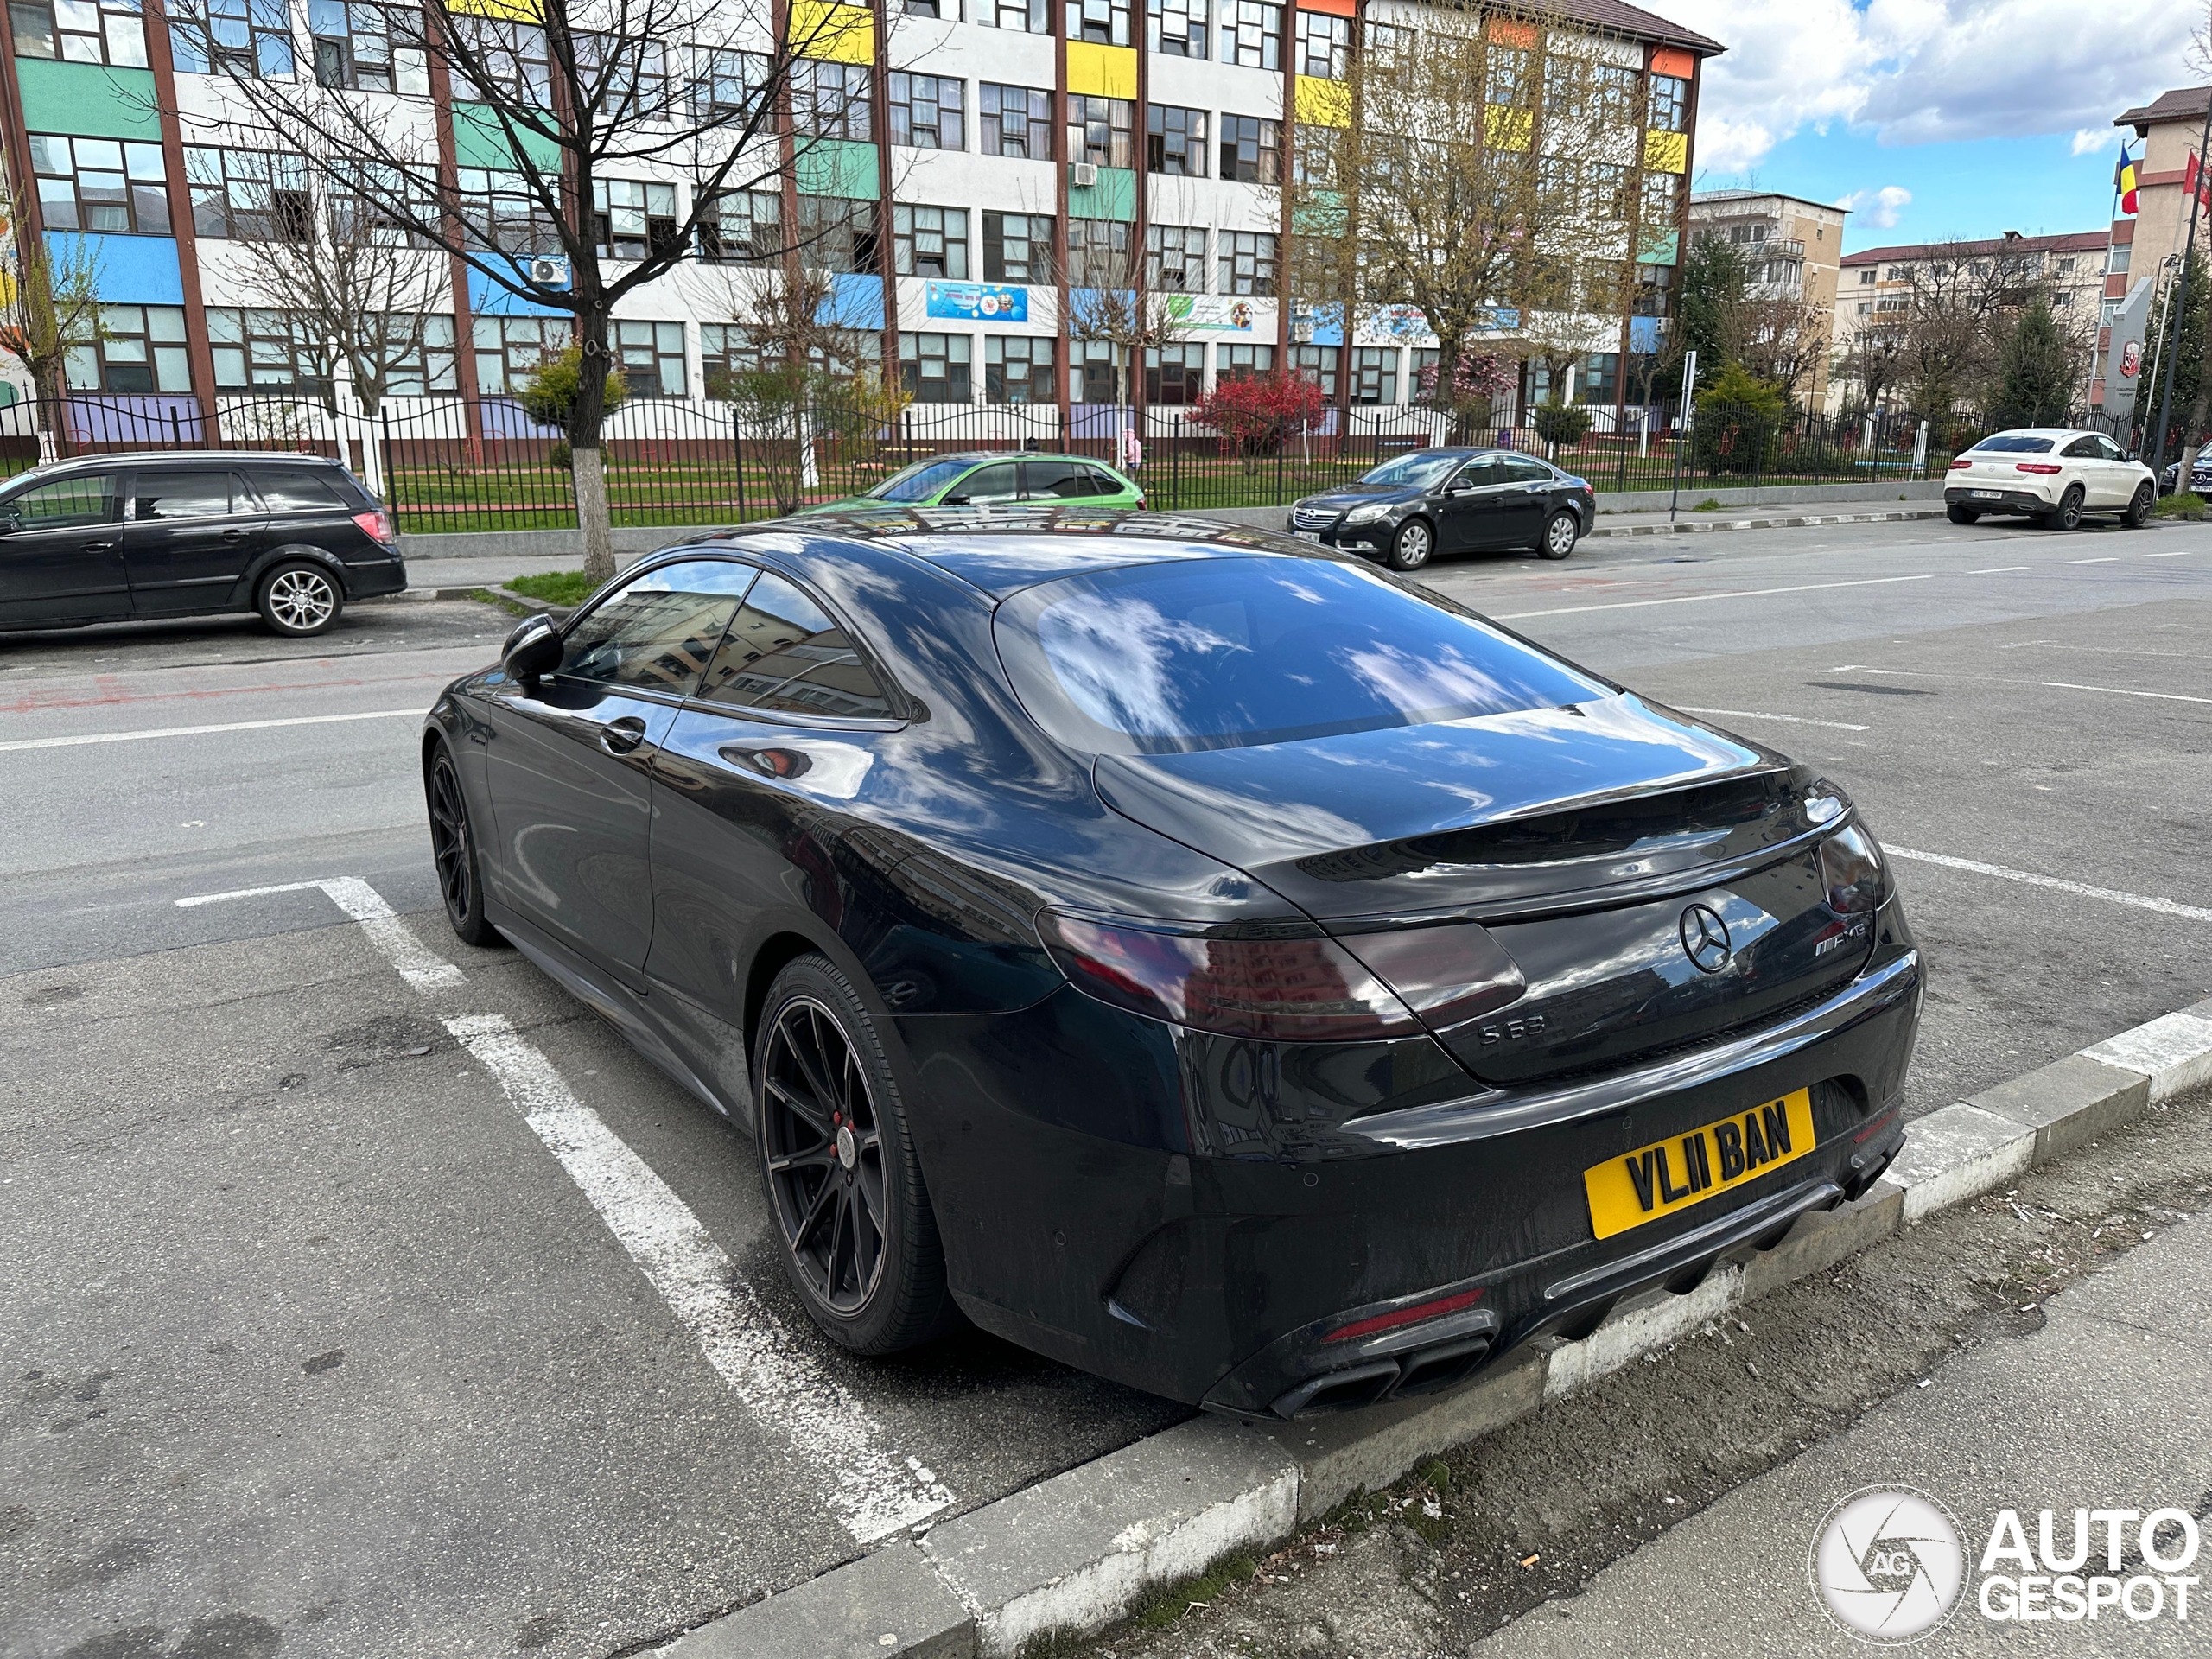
{"type": "Point", "coordinates": [1659, 191]}
{"type": "Point", "coordinates": [1178, 28]}
{"type": "Point", "coordinates": [376, 203]}
{"type": "Point", "coordinates": [101, 184]}
{"type": "Point", "coordinates": [1313, 158]}
{"type": "Point", "coordinates": [2064, 296]}
{"type": "Point", "coordinates": [1509, 77]}
{"type": "Point", "coordinates": [1108, 127]}
{"type": "Point", "coordinates": [1175, 258]}
{"type": "Point", "coordinates": [741, 226]}
{"type": "Point", "coordinates": [511, 57]}
{"type": "Point", "coordinates": [1098, 254]}
{"type": "Point", "coordinates": [928, 111]}
{"type": "Point", "coordinates": [1175, 374]}
{"type": "Point", "coordinates": [1244, 362]}
{"type": "Point", "coordinates": [1613, 89]}
{"type": "Point", "coordinates": [837, 235]}
{"type": "Point", "coordinates": [650, 357]}
{"type": "Point", "coordinates": [2116, 261]}
{"type": "Point", "coordinates": [1612, 189]}
{"type": "Point", "coordinates": [1318, 363]}
{"type": "Point", "coordinates": [1095, 370]}
{"type": "Point", "coordinates": [726, 351]}
{"type": "Point", "coordinates": [1104, 22]}
{"type": "Point", "coordinates": [1030, 17]}
{"type": "Point", "coordinates": [1654, 291]}
{"type": "Point", "coordinates": [633, 219]}
{"type": "Point", "coordinates": [1866, 277]}
{"type": "Point", "coordinates": [1893, 302]}
{"type": "Point", "coordinates": [1600, 380]}
{"type": "Point", "coordinates": [931, 8]}
{"type": "Point", "coordinates": [930, 242]}
{"type": "Point", "coordinates": [1017, 248]}
{"type": "Point", "coordinates": [937, 368]}
{"type": "Point", "coordinates": [501, 213]}
{"type": "Point", "coordinates": [830, 100]}
{"type": "Point", "coordinates": [509, 350]}
{"type": "Point", "coordinates": [262, 350]}
{"type": "Point", "coordinates": [1014, 120]}
{"type": "Point", "coordinates": [1175, 141]}
{"type": "Point", "coordinates": [1251, 34]}
{"type": "Point", "coordinates": [1251, 150]}
{"type": "Point", "coordinates": [1374, 375]}
{"type": "Point", "coordinates": [80, 31]}
{"type": "Point", "coordinates": [141, 348]}
{"type": "Point", "coordinates": [730, 84]}
{"type": "Point", "coordinates": [849, 353]}
{"type": "Point", "coordinates": [1018, 369]}
{"type": "Point", "coordinates": [629, 75]}
{"type": "Point", "coordinates": [1324, 44]}
{"type": "Point", "coordinates": [249, 195]}
{"type": "Point", "coordinates": [1247, 261]}
{"type": "Point", "coordinates": [1669, 107]}
{"type": "Point", "coordinates": [354, 49]}
{"type": "Point", "coordinates": [248, 40]}
{"type": "Point", "coordinates": [424, 367]}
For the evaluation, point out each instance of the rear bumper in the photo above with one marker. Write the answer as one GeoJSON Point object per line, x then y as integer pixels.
{"type": "Point", "coordinates": [373, 577]}
{"type": "Point", "coordinates": [2010, 498]}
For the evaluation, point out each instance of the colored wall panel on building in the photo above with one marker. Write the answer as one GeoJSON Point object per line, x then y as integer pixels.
{"type": "Point", "coordinates": [1666, 152]}
{"type": "Point", "coordinates": [854, 301]}
{"type": "Point", "coordinates": [838, 167]}
{"type": "Point", "coordinates": [87, 100]}
{"type": "Point", "coordinates": [1324, 102]}
{"type": "Point", "coordinates": [1505, 128]}
{"type": "Point", "coordinates": [1115, 196]}
{"type": "Point", "coordinates": [1661, 249]}
{"type": "Point", "coordinates": [1506, 32]}
{"type": "Point", "coordinates": [826, 28]}
{"type": "Point", "coordinates": [479, 141]}
{"type": "Point", "coordinates": [1665, 60]}
{"type": "Point", "coordinates": [519, 11]}
{"type": "Point", "coordinates": [1095, 70]}
{"type": "Point", "coordinates": [1643, 335]}
{"type": "Point", "coordinates": [1328, 322]}
{"type": "Point", "coordinates": [491, 299]}
{"type": "Point", "coordinates": [1334, 8]}
{"type": "Point", "coordinates": [134, 270]}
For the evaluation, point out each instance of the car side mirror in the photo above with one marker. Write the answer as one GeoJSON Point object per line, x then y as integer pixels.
{"type": "Point", "coordinates": [533, 649]}
{"type": "Point", "coordinates": [10, 521]}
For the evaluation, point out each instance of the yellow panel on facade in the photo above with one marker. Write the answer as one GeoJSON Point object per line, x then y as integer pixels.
{"type": "Point", "coordinates": [1505, 128]}
{"type": "Point", "coordinates": [1323, 103]}
{"type": "Point", "coordinates": [1666, 152]}
{"type": "Point", "coordinates": [826, 28]}
{"type": "Point", "coordinates": [1095, 70]}
{"type": "Point", "coordinates": [515, 11]}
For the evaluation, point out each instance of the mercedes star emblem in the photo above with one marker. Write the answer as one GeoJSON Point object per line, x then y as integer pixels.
{"type": "Point", "coordinates": [1704, 938]}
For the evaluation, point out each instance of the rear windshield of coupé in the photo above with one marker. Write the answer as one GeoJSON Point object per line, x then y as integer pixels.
{"type": "Point", "coordinates": [1225, 653]}
{"type": "Point", "coordinates": [2012, 446]}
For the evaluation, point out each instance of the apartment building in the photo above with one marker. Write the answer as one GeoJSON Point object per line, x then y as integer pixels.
{"type": "Point", "coordinates": [1793, 246]}
{"type": "Point", "coordinates": [2161, 136]}
{"type": "Point", "coordinates": [978, 157]}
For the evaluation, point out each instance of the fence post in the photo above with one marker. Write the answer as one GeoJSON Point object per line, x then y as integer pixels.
{"type": "Point", "coordinates": [383, 453]}
{"type": "Point", "coordinates": [737, 448]}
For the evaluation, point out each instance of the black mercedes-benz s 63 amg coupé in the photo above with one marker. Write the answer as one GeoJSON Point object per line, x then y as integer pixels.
{"type": "Point", "coordinates": [1195, 955]}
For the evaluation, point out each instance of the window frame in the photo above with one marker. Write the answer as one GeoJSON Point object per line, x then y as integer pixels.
{"type": "Point", "coordinates": [905, 80]}
{"type": "Point", "coordinates": [58, 36]}
{"type": "Point", "coordinates": [136, 187]}
{"type": "Point", "coordinates": [906, 229]}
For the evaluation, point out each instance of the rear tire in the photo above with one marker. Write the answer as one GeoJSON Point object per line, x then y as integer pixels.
{"type": "Point", "coordinates": [1413, 546]}
{"type": "Point", "coordinates": [2140, 509]}
{"type": "Point", "coordinates": [299, 600]}
{"type": "Point", "coordinates": [1962, 515]}
{"type": "Point", "coordinates": [2067, 515]}
{"type": "Point", "coordinates": [1560, 534]}
{"type": "Point", "coordinates": [860, 1241]}
{"type": "Point", "coordinates": [453, 845]}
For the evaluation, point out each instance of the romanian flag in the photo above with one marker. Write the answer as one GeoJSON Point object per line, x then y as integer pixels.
{"type": "Point", "coordinates": [2124, 181]}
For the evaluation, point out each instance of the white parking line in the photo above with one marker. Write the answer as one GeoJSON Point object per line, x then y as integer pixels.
{"type": "Point", "coordinates": [419, 964]}
{"type": "Point", "coordinates": [1793, 720]}
{"type": "Point", "coordinates": [873, 1491]}
{"type": "Point", "coordinates": [1694, 599]}
{"type": "Point", "coordinates": [2178, 553]}
{"type": "Point", "coordinates": [2109, 559]}
{"type": "Point", "coordinates": [2117, 691]}
{"type": "Point", "coordinates": [2140, 901]}
{"type": "Point", "coordinates": [202, 731]}
{"type": "Point", "coordinates": [1998, 570]}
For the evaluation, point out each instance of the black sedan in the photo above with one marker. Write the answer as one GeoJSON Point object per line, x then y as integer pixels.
{"type": "Point", "coordinates": [1203, 958]}
{"type": "Point", "coordinates": [1411, 509]}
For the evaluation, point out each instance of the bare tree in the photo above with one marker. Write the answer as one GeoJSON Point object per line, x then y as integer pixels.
{"type": "Point", "coordinates": [49, 304]}
{"type": "Point", "coordinates": [559, 104]}
{"type": "Point", "coordinates": [1110, 299]}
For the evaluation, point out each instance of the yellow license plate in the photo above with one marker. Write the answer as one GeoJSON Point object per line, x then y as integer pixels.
{"type": "Point", "coordinates": [1669, 1175]}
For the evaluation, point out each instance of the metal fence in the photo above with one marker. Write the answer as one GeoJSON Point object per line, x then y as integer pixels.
{"type": "Point", "coordinates": [467, 465]}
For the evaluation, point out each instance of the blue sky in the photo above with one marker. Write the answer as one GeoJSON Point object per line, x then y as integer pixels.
{"type": "Point", "coordinates": [1933, 118]}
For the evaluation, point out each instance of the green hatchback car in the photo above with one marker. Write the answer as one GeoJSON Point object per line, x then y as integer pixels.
{"type": "Point", "coordinates": [995, 478]}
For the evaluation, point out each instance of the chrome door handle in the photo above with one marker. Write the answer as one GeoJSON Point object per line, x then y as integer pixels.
{"type": "Point", "coordinates": [621, 736]}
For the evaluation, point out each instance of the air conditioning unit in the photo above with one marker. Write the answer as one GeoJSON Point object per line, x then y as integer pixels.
{"type": "Point", "coordinates": [548, 269]}
{"type": "Point", "coordinates": [1084, 175]}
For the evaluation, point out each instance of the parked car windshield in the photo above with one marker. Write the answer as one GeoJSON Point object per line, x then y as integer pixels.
{"type": "Point", "coordinates": [920, 481]}
{"type": "Point", "coordinates": [1225, 653]}
{"type": "Point", "coordinates": [2006, 444]}
{"type": "Point", "coordinates": [1422, 470]}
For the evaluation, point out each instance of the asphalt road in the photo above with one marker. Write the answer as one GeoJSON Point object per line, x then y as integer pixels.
{"type": "Point", "coordinates": [316, 1333]}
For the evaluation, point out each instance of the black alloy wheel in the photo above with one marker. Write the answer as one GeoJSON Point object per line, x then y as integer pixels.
{"type": "Point", "coordinates": [2139, 510]}
{"type": "Point", "coordinates": [1561, 535]}
{"type": "Point", "coordinates": [1411, 547]}
{"type": "Point", "coordinates": [2067, 515]}
{"type": "Point", "coordinates": [299, 600]}
{"type": "Point", "coordinates": [455, 850]}
{"type": "Point", "coordinates": [859, 1241]}
{"type": "Point", "coordinates": [1959, 515]}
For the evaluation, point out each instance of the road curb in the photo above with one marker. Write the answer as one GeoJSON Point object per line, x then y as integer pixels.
{"type": "Point", "coordinates": [1077, 1552]}
{"type": "Point", "coordinates": [1694, 525]}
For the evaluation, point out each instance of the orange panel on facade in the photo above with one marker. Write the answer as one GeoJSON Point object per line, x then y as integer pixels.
{"type": "Point", "coordinates": [1334, 8]}
{"type": "Point", "coordinates": [1667, 62]}
{"type": "Point", "coordinates": [1510, 33]}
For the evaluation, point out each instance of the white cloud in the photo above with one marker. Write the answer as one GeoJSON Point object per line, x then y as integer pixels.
{"type": "Point", "coordinates": [2090, 140]}
{"type": "Point", "coordinates": [1876, 209]}
{"type": "Point", "coordinates": [1926, 71]}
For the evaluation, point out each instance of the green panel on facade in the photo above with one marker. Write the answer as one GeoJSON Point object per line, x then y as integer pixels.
{"type": "Point", "coordinates": [87, 100]}
{"type": "Point", "coordinates": [1115, 196]}
{"type": "Point", "coordinates": [1661, 249]}
{"type": "Point", "coordinates": [838, 167]}
{"type": "Point", "coordinates": [478, 142]}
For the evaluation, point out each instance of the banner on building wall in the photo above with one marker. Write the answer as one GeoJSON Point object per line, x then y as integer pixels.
{"type": "Point", "coordinates": [2124, 357]}
{"type": "Point", "coordinates": [1207, 313]}
{"type": "Point", "coordinates": [977, 302]}
{"type": "Point", "coordinates": [1409, 325]}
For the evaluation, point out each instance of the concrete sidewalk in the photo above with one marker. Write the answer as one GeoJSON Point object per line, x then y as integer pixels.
{"type": "Point", "coordinates": [2109, 1405]}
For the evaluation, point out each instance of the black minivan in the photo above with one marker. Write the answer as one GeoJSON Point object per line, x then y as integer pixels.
{"type": "Point", "coordinates": [112, 537]}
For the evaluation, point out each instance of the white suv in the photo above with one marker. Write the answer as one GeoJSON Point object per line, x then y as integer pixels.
{"type": "Point", "coordinates": [2054, 475]}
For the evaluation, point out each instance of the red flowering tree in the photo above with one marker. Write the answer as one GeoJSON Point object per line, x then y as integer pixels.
{"type": "Point", "coordinates": [1477, 385]}
{"type": "Point", "coordinates": [1256, 414]}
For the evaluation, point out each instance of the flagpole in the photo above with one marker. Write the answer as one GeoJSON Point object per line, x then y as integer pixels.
{"type": "Point", "coordinates": [2181, 309]}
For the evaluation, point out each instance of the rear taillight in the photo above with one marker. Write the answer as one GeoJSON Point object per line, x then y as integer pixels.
{"type": "Point", "coordinates": [1852, 869]}
{"type": "Point", "coordinates": [1139, 506]}
{"type": "Point", "coordinates": [1396, 1317]}
{"type": "Point", "coordinates": [2043, 466]}
{"type": "Point", "coordinates": [1444, 974]}
{"type": "Point", "coordinates": [1960, 466]}
{"type": "Point", "coordinates": [376, 525]}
